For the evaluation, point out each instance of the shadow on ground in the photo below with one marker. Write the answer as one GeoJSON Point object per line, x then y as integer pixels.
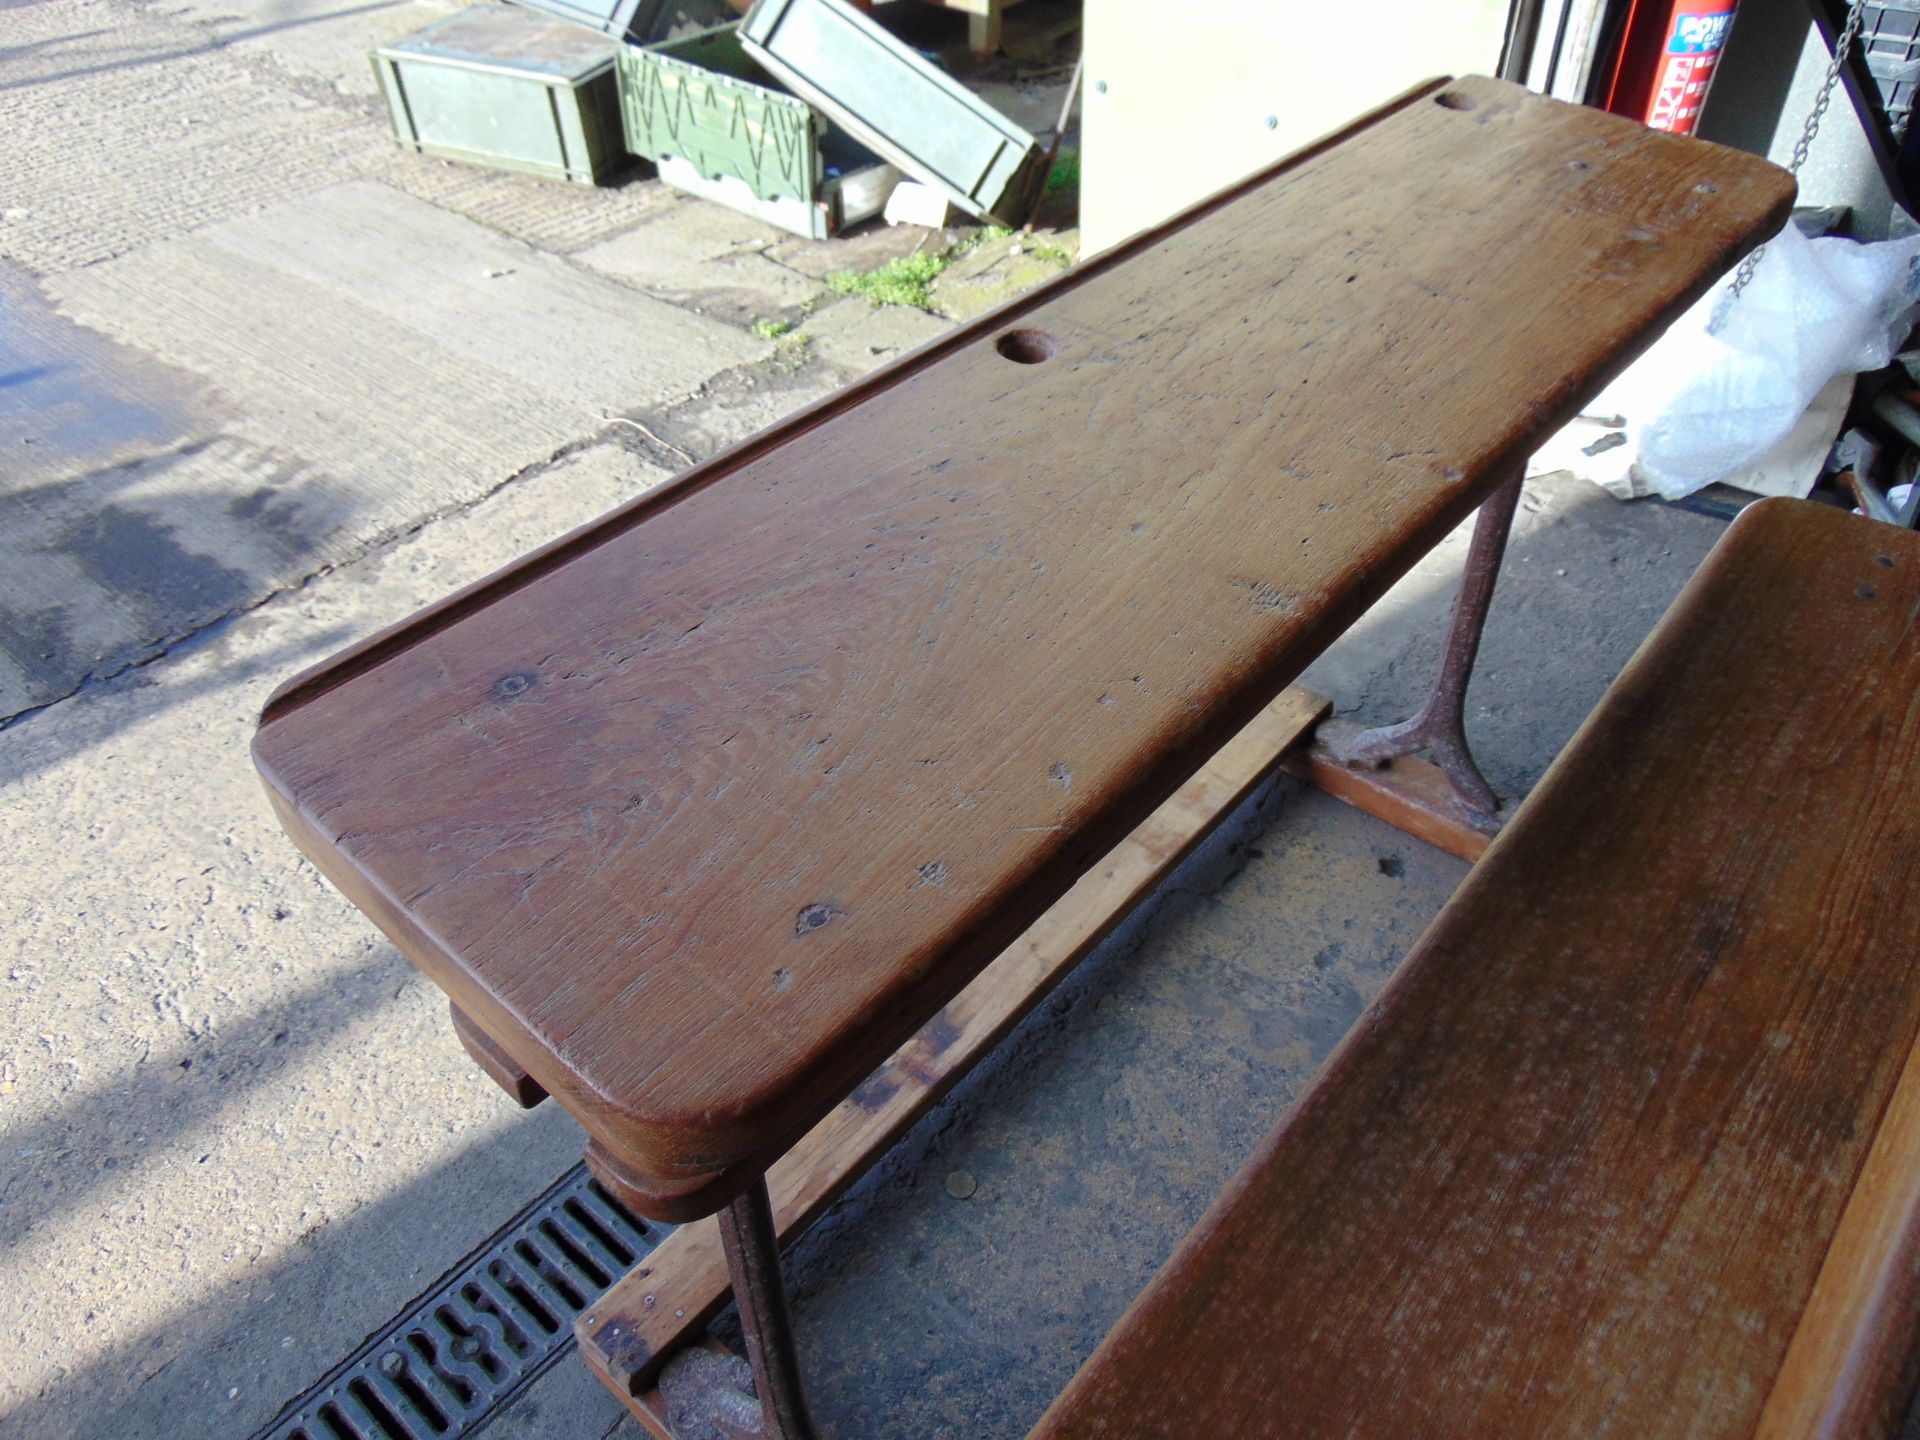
{"type": "Point", "coordinates": [357, 1267]}
{"type": "Point", "coordinates": [129, 517]}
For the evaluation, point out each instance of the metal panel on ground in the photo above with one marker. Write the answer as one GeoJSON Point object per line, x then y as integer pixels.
{"type": "Point", "coordinates": [893, 100]}
{"type": "Point", "coordinates": [719, 126]}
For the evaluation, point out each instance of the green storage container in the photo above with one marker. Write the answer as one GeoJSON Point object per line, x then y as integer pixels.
{"type": "Point", "coordinates": [507, 89]}
{"type": "Point", "coordinates": [884, 94]}
{"type": "Point", "coordinates": [720, 127]}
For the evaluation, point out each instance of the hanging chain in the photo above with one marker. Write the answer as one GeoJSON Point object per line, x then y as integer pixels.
{"type": "Point", "coordinates": [1849, 33]}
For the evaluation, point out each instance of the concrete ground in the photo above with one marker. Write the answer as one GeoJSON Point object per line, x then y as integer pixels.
{"type": "Point", "coordinates": [266, 384]}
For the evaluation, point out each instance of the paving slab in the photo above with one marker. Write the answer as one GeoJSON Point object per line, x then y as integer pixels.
{"type": "Point", "coordinates": [863, 248]}
{"type": "Point", "coordinates": [548, 215]}
{"type": "Point", "coordinates": [568, 1401]}
{"type": "Point", "coordinates": [359, 361]}
{"type": "Point", "coordinates": [708, 258]}
{"type": "Point", "coordinates": [323, 374]}
{"type": "Point", "coordinates": [102, 569]}
{"type": "Point", "coordinates": [71, 399]}
{"type": "Point", "coordinates": [240, 1135]}
{"type": "Point", "coordinates": [562, 334]}
{"type": "Point", "coordinates": [856, 336]}
{"type": "Point", "coordinates": [124, 127]}
{"type": "Point", "coordinates": [325, 41]}
{"type": "Point", "coordinates": [743, 402]}
{"type": "Point", "coordinates": [997, 270]}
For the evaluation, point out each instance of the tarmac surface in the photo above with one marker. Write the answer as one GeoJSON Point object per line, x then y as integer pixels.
{"type": "Point", "coordinates": [267, 384]}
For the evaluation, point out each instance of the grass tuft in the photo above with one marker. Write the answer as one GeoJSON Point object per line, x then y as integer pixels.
{"type": "Point", "coordinates": [909, 279]}
{"type": "Point", "coordinates": [903, 281]}
{"type": "Point", "coordinates": [1065, 174]}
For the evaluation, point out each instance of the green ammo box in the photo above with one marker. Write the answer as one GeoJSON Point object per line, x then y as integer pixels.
{"type": "Point", "coordinates": [905, 108]}
{"type": "Point", "coordinates": [718, 126]}
{"type": "Point", "coordinates": [507, 89]}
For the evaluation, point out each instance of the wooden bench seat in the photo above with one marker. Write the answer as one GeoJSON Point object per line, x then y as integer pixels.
{"type": "Point", "coordinates": [1630, 1145]}
{"type": "Point", "coordinates": [700, 813]}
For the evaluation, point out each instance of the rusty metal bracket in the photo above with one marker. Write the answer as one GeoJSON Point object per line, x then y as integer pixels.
{"type": "Point", "coordinates": [1440, 728]}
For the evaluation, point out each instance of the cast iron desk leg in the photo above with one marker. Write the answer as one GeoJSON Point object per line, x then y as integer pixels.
{"type": "Point", "coordinates": [753, 1261]}
{"type": "Point", "coordinates": [1440, 727]}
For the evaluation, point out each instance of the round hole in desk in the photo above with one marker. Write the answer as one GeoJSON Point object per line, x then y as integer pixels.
{"type": "Point", "coordinates": [1027, 347]}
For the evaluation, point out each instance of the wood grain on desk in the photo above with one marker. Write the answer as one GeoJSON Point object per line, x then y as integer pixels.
{"type": "Point", "coordinates": [1630, 1144]}
{"type": "Point", "coordinates": [702, 811]}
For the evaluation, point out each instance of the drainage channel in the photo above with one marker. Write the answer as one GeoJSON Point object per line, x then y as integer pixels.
{"type": "Point", "coordinates": [486, 1331]}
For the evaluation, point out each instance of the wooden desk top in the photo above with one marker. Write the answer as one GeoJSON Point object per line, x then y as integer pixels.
{"type": "Point", "coordinates": [1630, 1145]}
{"type": "Point", "coordinates": [703, 810]}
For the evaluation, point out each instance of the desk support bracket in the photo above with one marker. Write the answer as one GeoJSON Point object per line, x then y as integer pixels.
{"type": "Point", "coordinates": [1440, 727]}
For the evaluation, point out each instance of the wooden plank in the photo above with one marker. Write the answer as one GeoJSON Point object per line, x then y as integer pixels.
{"type": "Point", "coordinates": [703, 812]}
{"type": "Point", "coordinates": [499, 1067]}
{"type": "Point", "coordinates": [1411, 794]}
{"type": "Point", "coordinates": [1850, 1369]}
{"type": "Point", "coordinates": [666, 1300]}
{"type": "Point", "coordinates": [1628, 1144]}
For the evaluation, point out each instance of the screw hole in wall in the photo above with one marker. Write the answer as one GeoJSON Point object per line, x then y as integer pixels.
{"type": "Point", "coordinates": [1027, 347]}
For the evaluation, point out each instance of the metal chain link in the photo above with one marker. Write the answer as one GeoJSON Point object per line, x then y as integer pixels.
{"type": "Point", "coordinates": [1849, 33]}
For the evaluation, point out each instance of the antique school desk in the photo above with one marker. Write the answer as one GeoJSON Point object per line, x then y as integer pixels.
{"type": "Point", "coordinates": [701, 812]}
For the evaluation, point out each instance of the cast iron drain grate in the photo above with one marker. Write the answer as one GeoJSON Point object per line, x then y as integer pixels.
{"type": "Point", "coordinates": [485, 1332]}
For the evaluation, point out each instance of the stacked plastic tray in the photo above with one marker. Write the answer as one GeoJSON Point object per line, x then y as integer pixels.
{"type": "Point", "coordinates": [1890, 41]}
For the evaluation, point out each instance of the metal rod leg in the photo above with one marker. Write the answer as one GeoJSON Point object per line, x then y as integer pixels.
{"type": "Point", "coordinates": [753, 1262]}
{"type": "Point", "coordinates": [1441, 726]}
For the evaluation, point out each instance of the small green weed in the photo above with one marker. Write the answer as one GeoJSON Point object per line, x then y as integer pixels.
{"type": "Point", "coordinates": [771, 329]}
{"type": "Point", "coordinates": [902, 281]}
{"type": "Point", "coordinates": [1065, 174]}
{"type": "Point", "coordinates": [909, 279]}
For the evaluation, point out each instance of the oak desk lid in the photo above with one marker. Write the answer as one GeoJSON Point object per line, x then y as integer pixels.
{"type": "Point", "coordinates": [703, 809]}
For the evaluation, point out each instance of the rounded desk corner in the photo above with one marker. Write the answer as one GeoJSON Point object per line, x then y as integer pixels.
{"type": "Point", "coordinates": [672, 1202]}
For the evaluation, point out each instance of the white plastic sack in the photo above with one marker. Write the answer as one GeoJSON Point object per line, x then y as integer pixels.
{"type": "Point", "coordinates": [1707, 400]}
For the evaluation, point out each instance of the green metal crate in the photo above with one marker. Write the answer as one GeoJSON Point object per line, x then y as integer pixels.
{"type": "Point", "coordinates": [509, 90]}
{"type": "Point", "coordinates": [720, 127]}
{"type": "Point", "coordinates": [888, 97]}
